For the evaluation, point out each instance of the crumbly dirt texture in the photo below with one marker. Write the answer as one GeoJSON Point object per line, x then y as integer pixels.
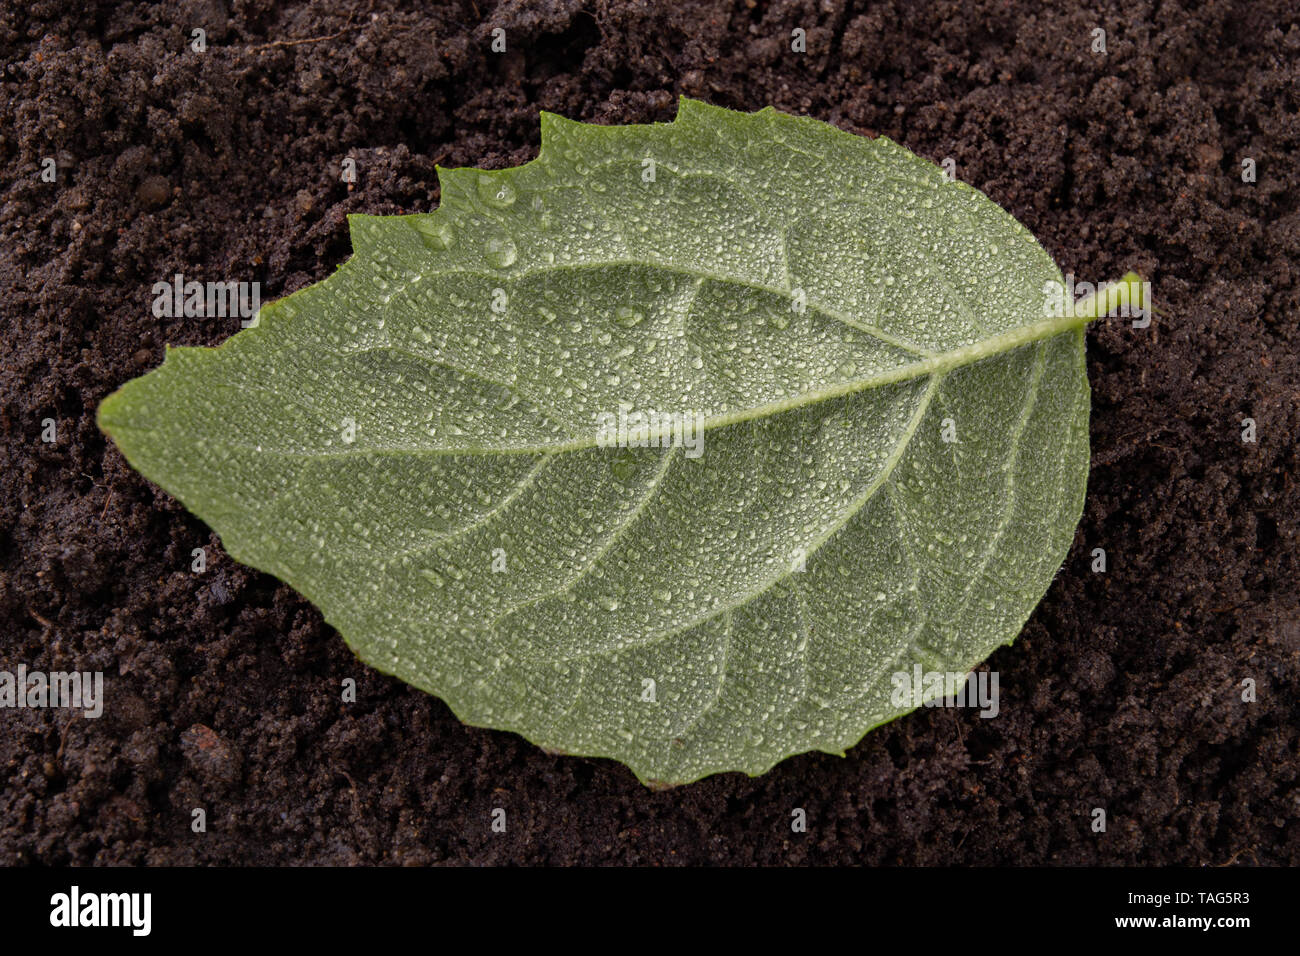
{"type": "Point", "coordinates": [223, 688]}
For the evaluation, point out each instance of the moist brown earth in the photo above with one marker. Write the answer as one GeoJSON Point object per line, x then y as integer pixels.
{"type": "Point", "coordinates": [1124, 691]}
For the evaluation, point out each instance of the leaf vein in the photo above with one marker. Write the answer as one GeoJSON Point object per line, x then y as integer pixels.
{"type": "Point", "coordinates": [633, 515]}
{"type": "Point", "coordinates": [767, 585]}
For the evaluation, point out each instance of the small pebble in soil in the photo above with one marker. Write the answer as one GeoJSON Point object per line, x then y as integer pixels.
{"type": "Point", "coordinates": [1208, 154]}
{"type": "Point", "coordinates": [220, 595]}
{"type": "Point", "coordinates": [209, 755]}
{"type": "Point", "coordinates": [153, 191]}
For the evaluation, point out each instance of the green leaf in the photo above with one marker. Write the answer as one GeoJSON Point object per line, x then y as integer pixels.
{"type": "Point", "coordinates": [413, 443]}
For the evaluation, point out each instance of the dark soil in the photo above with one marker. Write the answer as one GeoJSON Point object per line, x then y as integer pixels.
{"type": "Point", "coordinates": [1124, 691]}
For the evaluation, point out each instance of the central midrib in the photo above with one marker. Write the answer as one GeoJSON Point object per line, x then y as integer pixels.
{"type": "Point", "coordinates": [939, 363]}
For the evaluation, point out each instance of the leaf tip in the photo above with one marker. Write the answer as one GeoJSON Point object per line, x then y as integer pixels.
{"type": "Point", "coordinates": [105, 414]}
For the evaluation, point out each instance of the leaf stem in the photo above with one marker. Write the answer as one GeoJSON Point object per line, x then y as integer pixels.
{"type": "Point", "coordinates": [1130, 291]}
